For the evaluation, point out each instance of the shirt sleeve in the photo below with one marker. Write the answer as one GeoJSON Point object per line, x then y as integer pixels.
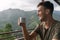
{"type": "Point", "coordinates": [57, 33]}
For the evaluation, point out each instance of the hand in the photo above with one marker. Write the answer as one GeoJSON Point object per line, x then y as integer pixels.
{"type": "Point", "coordinates": [20, 24]}
{"type": "Point", "coordinates": [54, 39]}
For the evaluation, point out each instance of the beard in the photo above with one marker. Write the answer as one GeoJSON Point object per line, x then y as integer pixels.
{"type": "Point", "coordinates": [42, 18]}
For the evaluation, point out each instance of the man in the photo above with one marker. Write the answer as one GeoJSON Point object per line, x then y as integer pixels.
{"type": "Point", "coordinates": [48, 29]}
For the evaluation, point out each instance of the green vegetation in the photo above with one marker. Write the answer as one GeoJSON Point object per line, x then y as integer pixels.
{"type": "Point", "coordinates": [8, 28]}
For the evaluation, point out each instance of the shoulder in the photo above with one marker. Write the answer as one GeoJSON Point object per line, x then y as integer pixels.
{"type": "Point", "coordinates": [57, 24]}
{"type": "Point", "coordinates": [57, 28]}
{"type": "Point", "coordinates": [57, 31]}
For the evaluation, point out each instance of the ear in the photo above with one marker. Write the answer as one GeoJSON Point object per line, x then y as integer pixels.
{"type": "Point", "coordinates": [47, 11]}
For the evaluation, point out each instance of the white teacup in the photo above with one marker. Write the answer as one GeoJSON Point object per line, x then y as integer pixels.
{"type": "Point", "coordinates": [22, 20]}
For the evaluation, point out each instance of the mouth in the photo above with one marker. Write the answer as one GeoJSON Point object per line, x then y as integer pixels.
{"type": "Point", "coordinates": [40, 18]}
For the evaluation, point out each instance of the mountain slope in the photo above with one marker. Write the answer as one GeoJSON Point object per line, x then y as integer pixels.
{"type": "Point", "coordinates": [12, 15]}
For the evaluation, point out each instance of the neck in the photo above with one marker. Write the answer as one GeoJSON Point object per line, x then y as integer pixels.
{"type": "Point", "coordinates": [48, 23]}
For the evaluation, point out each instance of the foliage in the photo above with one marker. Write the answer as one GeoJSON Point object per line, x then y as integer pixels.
{"type": "Point", "coordinates": [8, 28]}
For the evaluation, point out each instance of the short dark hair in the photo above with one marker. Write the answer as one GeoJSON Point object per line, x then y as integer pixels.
{"type": "Point", "coordinates": [47, 5]}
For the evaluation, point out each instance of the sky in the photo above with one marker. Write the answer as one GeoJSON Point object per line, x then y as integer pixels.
{"type": "Point", "coordinates": [26, 5]}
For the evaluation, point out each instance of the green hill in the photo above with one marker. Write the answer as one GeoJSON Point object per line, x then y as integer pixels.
{"type": "Point", "coordinates": [12, 15]}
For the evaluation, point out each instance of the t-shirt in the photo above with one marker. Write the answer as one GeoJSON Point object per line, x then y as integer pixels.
{"type": "Point", "coordinates": [48, 34]}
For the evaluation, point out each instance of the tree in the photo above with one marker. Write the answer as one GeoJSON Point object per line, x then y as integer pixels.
{"type": "Point", "coordinates": [8, 28]}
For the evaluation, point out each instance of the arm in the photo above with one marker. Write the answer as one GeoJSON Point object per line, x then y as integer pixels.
{"type": "Point", "coordinates": [33, 34]}
{"type": "Point", "coordinates": [26, 35]}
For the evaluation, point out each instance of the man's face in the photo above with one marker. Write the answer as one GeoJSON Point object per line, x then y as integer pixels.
{"type": "Point", "coordinates": [41, 13]}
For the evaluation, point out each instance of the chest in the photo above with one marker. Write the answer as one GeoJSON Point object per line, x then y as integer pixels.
{"type": "Point", "coordinates": [47, 34]}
